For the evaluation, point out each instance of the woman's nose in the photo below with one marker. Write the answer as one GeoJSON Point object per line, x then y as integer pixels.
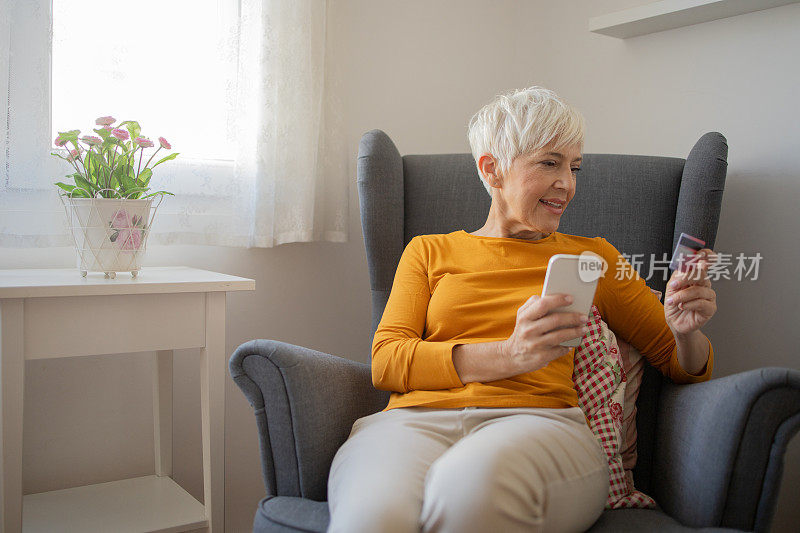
{"type": "Point", "coordinates": [564, 180]}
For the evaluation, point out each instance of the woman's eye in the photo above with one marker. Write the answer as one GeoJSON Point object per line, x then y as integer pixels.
{"type": "Point", "coordinates": [549, 163]}
{"type": "Point", "coordinates": [576, 169]}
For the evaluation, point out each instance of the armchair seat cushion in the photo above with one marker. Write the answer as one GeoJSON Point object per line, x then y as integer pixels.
{"type": "Point", "coordinates": [636, 520]}
{"type": "Point", "coordinates": [291, 514]}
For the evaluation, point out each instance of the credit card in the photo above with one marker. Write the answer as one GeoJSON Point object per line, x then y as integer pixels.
{"type": "Point", "coordinates": [687, 246]}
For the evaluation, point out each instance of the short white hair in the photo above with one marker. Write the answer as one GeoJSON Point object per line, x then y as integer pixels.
{"type": "Point", "coordinates": [521, 122]}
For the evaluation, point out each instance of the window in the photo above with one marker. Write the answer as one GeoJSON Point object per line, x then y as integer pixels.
{"type": "Point", "coordinates": [170, 65]}
{"type": "Point", "coordinates": [237, 86]}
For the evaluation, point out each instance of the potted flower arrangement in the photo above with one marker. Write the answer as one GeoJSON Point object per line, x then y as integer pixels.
{"type": "Point", "coordinates": [108, 213]}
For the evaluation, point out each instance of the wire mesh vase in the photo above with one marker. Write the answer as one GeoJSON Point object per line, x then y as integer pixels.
{"type": "Point", "coordinates": [110, 234]}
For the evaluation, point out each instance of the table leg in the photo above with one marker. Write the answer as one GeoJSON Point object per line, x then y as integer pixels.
{"type": "Point", "coordinates": [213, 363]}
{"type": "Point", "coordinates": [12, 384]}
{"type": "Point", "coordinates": [162, 412]}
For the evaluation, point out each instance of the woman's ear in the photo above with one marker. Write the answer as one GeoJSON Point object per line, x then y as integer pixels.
{"type": "Point", "coordinates": [489, 169]}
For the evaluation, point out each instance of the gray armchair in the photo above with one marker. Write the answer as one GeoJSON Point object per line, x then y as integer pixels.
{"type": "Point", "coordinates": [711, 454]}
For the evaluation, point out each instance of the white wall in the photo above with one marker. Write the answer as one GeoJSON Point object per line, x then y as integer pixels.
{"type": "Point", "coordinates": [418, 69]}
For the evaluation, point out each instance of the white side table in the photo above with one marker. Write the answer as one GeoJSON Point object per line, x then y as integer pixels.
{"type": "Point", "coordinates": [178, 307]}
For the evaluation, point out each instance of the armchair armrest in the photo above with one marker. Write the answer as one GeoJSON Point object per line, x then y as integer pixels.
{"type": "Point", "coordinates": [305, 404]}
{"type": "Point", "coordinates": [720, 447]}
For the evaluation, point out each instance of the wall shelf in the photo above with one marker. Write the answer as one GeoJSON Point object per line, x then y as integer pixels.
{"type": "Point", "coordinates": [671, 14]}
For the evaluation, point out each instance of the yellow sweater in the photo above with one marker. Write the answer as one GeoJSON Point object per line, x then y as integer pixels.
{"type": "Point", "coordinates": [459, 288]}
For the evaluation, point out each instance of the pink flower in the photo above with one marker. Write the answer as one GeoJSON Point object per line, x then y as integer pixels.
{"type": "Point", "coordinates": [164, 143]}
{"type": "Point", "coordinates": [108, 128]}
{"type": "Point", "coordinates": [616, 411]}
{"type": "Point", "coordinates": [130, 238]}
{"type": "Point", "coordinates": [105, 121]}
{"type": "Point", "coordinates": [59, 141]}
{"type": "Point", "coordinates": [91, 140]}
{"type": "Point", "coordinates": [122, 135]}
{"type": "Point", "coordinates": [144, 142]}
{"type": "Point", "coordinates": [121, 219]}
{"type": "Point", "coordinates": [73, 154]}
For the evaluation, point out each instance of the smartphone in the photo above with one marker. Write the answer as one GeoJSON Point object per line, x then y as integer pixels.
{"type": "Point", "coordinates": [576, 275]}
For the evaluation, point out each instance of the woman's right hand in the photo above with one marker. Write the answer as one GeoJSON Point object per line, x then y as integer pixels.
{"type": "Point", "coordinates": [537, 335]}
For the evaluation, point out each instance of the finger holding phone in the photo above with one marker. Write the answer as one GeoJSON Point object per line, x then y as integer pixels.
{"type": "Point", "coordinates": [540, 330]}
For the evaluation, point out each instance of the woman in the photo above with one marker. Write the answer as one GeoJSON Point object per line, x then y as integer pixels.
{"type": "Point", "coordinates": [483, 431]}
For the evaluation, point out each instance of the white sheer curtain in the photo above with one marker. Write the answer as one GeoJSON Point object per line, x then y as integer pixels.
{"type": "Point", "coordinates": [286, 182]}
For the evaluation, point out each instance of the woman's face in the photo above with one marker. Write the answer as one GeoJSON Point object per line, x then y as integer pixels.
{"type": "Point", "coordinates": [538, 187]}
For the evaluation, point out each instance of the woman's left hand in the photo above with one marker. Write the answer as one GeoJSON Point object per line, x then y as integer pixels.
{"type": "Point", "coordinates": [690, 301]}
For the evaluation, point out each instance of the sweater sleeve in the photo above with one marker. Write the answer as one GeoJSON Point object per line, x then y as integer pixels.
{"type": "Point", "coordinates": [401, 360]}
{"type": "Point", "coordinates": [631, 310]}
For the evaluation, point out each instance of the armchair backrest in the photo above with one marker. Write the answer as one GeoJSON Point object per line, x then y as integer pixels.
{"type": "Point", "coordinates": [640, 204]}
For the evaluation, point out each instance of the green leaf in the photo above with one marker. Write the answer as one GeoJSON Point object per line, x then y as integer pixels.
{"type": "Point", "coordinates": [113, 182]}
{"type": "Point", "coordinates": [120, 166]}
{"type": "Point", "coordinates": [129, 184]}
{"type": "Point", "coordinates": [167, 158]}
{"type": "Point", "coordinates": [71, 135]}
{"type": "Point", "coordinates": [91, 173]}
{"type": "Point", "coordinates": [91, 167]}
{"type": "Point", "coordinates": [144, 177]}
{"type": "Point", "coordinates": [157, 192]}
{"type": "Point", "coordinates": [80, 181]}
{"type": "Point", "coordinates": [104, 134]}
{"type": "Point", "coordinates": [66, 187]}
{"type": "Point", "coordinates": [101, 164]}
{"type": "Point", "coordinates": [101, 157]}
{"type": "Point", "coordinates": [133, 128]}
{"type": "Point", "coordinates": [79, 193]}
{"type": "Point", "coordinates": [137, 191]}
{"type": "Point", "coordinates": [127, 181]}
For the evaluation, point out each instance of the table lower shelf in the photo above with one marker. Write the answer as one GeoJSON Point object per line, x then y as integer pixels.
{"type": "Point", "coordinates": [148, 503]}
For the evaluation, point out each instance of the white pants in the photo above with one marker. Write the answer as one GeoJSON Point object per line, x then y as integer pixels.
{"type": "Point", "coordinates": [468, 470]}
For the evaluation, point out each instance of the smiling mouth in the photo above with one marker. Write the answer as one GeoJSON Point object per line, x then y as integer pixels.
{"type": "Point", "coordinates": [552, 204]}
{"type": "Point", "coordinates": [557, 208]}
